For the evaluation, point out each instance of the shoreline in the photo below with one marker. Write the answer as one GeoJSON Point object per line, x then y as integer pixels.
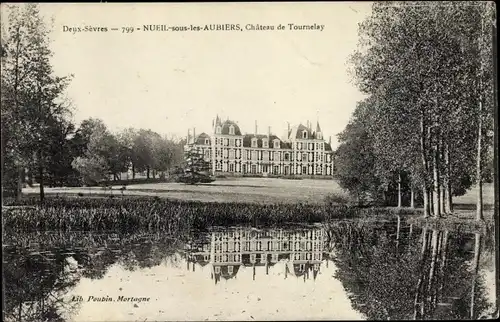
{"type": "Point", "coordinates": [98, 212]}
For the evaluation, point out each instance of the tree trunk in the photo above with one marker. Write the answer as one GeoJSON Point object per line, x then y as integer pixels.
{"type": "Point", "coordinates": [19, 190]}
{"type": "Point", "coordinates": [40, 173]}
{"type": "Point", "coordinates": [477, 254]}
{"type": "Point", "coordinates": [443, 201]}
{"type": "Point", "coordinates": [147, 172]}
{"type": "Point", "coordinates": [448, 192]}
{"type": "Point", "coordinates": [133, 171]}
{"type": "Point", "coordinates": [400, 199]}
{"type": "Point", "coordinates": [425, 165]}
{"type": "Point", "coordinates": [412, 196]}
{"type": "Point", "coordinates": [479, 179]}
{"type": "Point", "coordinates": [436, 191]}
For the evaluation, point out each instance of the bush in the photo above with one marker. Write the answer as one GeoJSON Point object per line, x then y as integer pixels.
{"type": "Point", "coordinates": [334, 198]}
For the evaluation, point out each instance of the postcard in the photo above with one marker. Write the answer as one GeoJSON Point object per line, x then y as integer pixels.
{"type": "Point", "coordinates": [249, 161]}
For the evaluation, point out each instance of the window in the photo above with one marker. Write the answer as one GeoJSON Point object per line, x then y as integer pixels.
{"type": "Point", "coordinates": [226, 142]}
{"type": "Point", "coordinates": [217, 269]}
{"type": "Point", "coordinates": [287, 157]}
{"type": "Point", "coordinates": [231, 130]}
{"type": "Point", "coordinates": [231, 167]}
{"type": "Point", "coordinates": [230, 269]}
{"type": "Point", "coordinates": [276, 144]}
{"type": "Point", "coordinates": [254, 143]}
{"type": "Point", "coordinates": [304, 134]}
{"type": "Point", "coordinates": [218, 130]}
{"type": "Point", "coordinates": [264, 143]}
{"type": "Point", "coordinates": [238, 143]}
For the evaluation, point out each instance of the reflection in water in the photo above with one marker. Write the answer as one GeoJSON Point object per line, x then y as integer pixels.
{"type": "Point", "coordinates": [382, 270]}
{"type": "Point", "coordinates": [226, 251]}
{"type": "Point", "coordinates": [430, 280]}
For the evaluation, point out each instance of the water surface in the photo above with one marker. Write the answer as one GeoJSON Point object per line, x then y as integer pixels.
{"type": "Point", "coordinates": [346, 270]}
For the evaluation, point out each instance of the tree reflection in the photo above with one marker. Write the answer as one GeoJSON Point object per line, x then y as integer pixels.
{"type": "Point", "coordinates": [41, 269]}
{"type": "Point", "coordinates": [34, 285]}
{"type": "Point", "coordinates": [426, 281]}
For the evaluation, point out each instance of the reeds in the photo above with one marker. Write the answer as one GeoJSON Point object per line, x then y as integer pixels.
{"type": "Point", "coordinates": [153, 213]}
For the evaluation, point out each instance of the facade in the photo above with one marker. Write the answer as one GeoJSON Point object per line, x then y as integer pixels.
{"type": "Point", "coordinates": [302, 152]}
{"type": "Point", "coordinates": [301, 250]}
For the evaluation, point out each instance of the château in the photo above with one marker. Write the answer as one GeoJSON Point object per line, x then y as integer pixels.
{"type": "Point", "coordinates": [302, 152]}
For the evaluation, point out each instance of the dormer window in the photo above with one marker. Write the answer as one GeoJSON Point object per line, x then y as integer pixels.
{"type": "Point", "coordinates": [230, 269]}
{"type": "Point", "coordinates": [231, 130]}
{"type": "Point", "coordinates": [320, 137]}
{"type": "Point", "coordinates": [276, 144]}
{"type": "Point", "coordinates": [304, 134]}
{"type": "Point", "coordinates": [217, 269]}
{"type": "Point", "coordinates": [254, 143]}
{"type": "Point", "coordinates": [207, 141]}
{"type": "Point", "coordinates": [264, 143]}
{"type": "Point", "coordinates": [218, 130]}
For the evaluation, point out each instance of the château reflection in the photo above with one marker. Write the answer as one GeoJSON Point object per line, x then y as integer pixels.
{"type": "Point", "coordinates": [301, 251]}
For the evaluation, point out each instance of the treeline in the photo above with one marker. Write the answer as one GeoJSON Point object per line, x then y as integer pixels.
{"type": "Point", "coordinates": [37, 132]}
{"type": "Point", "coordinates": [99, 153]}
{"type": "Point", "coordinates": [425, 129]}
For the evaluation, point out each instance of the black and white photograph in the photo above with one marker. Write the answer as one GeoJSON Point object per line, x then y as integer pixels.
{"type": "Point", "coordinates": [249, 161]}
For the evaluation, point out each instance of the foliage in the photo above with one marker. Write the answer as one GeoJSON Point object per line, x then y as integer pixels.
{"type": "Point", "coordinates": [32, 96]}
{"type": "Point", "coordinates": [132, 213]}
{"type": "Point", "coordinates": [427, 72]}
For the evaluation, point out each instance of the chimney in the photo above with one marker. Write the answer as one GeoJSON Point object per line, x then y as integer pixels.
{"type": "Point", "coordinates": [269, 131]}
{"type": "Point", "coordinates": [288, 130]}
{"type": "Point", "coordinates": [188, 136]}
{"type": "Point", "coordinates": [255, 127]}
{"type": "Point", "coordinates": [330, 140]}
{"type": "Point", "coordinates": [194, 133]}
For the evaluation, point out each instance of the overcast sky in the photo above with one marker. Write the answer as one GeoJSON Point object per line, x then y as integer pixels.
{"type": "Point", "coordinates": [172, 81]}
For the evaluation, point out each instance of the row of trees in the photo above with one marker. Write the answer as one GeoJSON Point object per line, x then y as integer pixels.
{"type": "Point", "coordinates": [108, 154]}
{"type": "Point", "coordinates": [37, 131]}
{"type": "Point", "coordinates": [427, 122]}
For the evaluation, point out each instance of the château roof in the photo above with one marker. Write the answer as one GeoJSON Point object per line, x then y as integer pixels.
{"type": "Point", "coordinates": [227, 124]}
{"type": "Point", "coordinates": [200, 139]}
{"type": "Point", "coordinates": [318, 128]}
{"type": "Point", "coordinates": [297, 130]}
{"type": "Point", "coordinates": [328, 147]}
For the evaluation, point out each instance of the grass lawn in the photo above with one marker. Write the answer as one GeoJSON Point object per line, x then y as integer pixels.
{"type": "Point", "coordinates": [251, 190]}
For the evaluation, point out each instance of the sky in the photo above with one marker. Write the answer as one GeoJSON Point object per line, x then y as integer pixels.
{"type": "Point", "coordinates": [170, 82]}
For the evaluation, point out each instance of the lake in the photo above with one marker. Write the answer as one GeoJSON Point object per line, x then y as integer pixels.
{"type": "Point", "coordinates": [350, 269]}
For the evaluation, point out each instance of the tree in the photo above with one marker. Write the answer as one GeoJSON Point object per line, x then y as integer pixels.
{"type": "Point", "coordinates": [32, 93]}
{"type": "Point", "coordinates": [104, 154]}
{"type": "Point", "coordinates": [355, 156]}
{"type": "Point", "coordinates": [425, 106]}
